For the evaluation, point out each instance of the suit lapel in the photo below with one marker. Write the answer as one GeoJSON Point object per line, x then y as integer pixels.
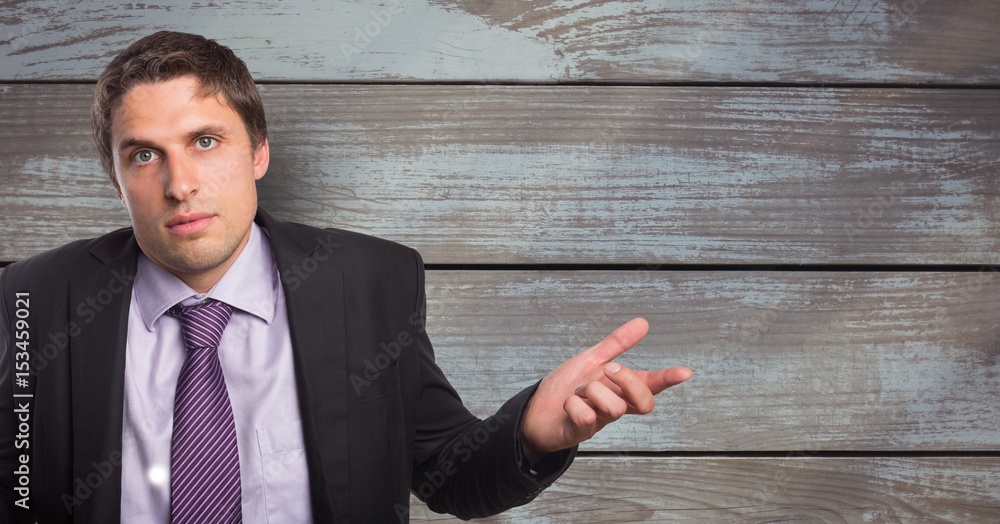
{"type": "Point", "coordinates": [314, 297]}
{"type": "Point", "coordinates": [100, 308]}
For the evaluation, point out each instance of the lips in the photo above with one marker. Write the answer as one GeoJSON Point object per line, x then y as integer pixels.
{"type": "Point", "coordinates": [189, 223]}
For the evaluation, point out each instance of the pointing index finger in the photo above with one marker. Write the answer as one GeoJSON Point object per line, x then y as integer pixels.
{"type": "Point", "coordinates": [619, 341]}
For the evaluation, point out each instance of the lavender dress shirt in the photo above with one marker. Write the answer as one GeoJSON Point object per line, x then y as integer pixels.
{"type": "Point", "coordinates": [256, 357]}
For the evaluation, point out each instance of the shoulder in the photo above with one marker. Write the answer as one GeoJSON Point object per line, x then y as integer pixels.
{"type": "Point", "coordinates": [348, 249]}
{"type": "Point", "coordinates": [64, 263]}
{"type": "Point", "coordinates": [372, 270]}
{"type": "Point", "coordinates": [367, 246]}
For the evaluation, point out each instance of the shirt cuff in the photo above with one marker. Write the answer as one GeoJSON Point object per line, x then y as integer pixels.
{"type": "Point", "coordinates": [549, 468]}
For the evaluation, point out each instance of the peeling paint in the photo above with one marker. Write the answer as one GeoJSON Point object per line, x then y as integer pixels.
{"type": "Point", "coordinates": [532, 41]}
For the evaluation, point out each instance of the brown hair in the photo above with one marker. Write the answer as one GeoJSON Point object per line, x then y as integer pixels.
{"type": "Point", "coordinates": [167, 55]}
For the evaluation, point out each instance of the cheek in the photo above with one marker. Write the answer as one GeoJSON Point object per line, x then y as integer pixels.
{"type": "Point", "coordinates": [128, 198]}
{"type": "Point", "coordinates": [142, 200]}
{"type": "Point", "coordinates": [229, 177]}
{"type": "Point", "coordinates": [137, 211]}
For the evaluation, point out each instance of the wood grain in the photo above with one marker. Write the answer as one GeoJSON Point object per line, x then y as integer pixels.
{"type": "Point", "coordinates": [501, 174]}
{"type": "Point", "coordinates": [810, 41]}
{"type": "Point", "coordinates": [782, 360]}
{"type": "Point", "coordinates": [796, 488]}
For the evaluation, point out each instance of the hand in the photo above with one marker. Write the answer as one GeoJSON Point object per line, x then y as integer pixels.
{"type": "Point", "coordinates": [589, 391]}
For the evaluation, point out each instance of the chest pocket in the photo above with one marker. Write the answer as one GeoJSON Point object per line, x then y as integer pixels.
{"type": "Point", "coordinates": [286, 479]}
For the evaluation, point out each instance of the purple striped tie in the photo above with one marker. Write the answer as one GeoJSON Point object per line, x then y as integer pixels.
{"type": "Point", "coordinates": [204, 461]}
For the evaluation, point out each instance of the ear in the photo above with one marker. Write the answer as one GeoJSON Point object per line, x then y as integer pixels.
{"type": "Point", "coordinates": [261, 159]}
{"type": "Point", "coordinates": [118, 189]}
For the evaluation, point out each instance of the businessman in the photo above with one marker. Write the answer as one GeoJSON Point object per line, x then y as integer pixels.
{"type": "Point", "coordinates": [213, 364]}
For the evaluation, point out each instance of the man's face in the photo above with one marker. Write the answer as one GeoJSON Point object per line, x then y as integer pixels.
{"type": "Point", "coordinates": [187, 176]}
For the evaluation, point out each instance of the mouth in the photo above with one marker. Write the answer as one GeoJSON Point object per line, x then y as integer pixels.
{"type": "Point", "coordinates": [189, 223]}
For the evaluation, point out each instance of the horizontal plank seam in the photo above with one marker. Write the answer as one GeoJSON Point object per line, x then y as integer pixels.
{"type": "Point", "coordinates": [802, 268]}
{"type": "Point", "coordinates": [579, 83]}
{"type": "Point", "coordinates": [853, 268]}
{"type": "Point", "coordinates": [794, 454]}
{"type": "Point", "coordinates": [592, 83]}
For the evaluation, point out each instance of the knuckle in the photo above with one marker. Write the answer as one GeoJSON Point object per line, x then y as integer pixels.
{"type": "Point", "coordinates": [586, 420]}
{"type": "Point", "coordinates": [628, 376]}
{"type": "Point", "coordinates": [645, 405]}
{"type": "Point", "coordinates": [616, 408]}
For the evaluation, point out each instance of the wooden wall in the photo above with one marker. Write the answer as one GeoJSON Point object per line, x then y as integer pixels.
{"type": "Point", "coordinates": [802, 198]}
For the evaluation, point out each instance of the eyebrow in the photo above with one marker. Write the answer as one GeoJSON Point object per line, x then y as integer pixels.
{"type": "Point", "coordinates": [201, 131]}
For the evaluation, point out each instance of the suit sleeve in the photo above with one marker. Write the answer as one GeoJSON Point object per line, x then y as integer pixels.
{"type": "Point", "coordinates": [465, 466]}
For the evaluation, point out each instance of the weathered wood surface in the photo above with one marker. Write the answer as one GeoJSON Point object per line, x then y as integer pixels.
{"type": "Point", "coordinates": [502, 174]}
{"type": "Point", "coordinates": [797, 488]}
{"type": "Point", "coordinates": [814, 361]}
{"type": "Point", "coordinates": [782, 360]}
{"type": "Point", "coordinates": [919, 41]}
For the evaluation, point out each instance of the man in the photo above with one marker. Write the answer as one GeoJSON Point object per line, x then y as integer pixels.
{"type": "Point", "coordinates": [182, 370]}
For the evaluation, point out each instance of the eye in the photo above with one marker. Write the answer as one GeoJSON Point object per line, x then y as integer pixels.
{"type": "Point", "coordinates": [144, 156]}
{"type": "Point", "coordinates": [206, 142]}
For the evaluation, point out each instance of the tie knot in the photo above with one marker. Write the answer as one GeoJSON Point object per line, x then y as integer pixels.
{"type": "Point", "coordinates": [202, 324]}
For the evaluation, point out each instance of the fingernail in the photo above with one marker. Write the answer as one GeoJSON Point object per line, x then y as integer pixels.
{"type": "Point", "coordinates": [612, 367]}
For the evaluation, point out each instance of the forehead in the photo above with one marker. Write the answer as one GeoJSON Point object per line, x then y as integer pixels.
{"type": "Point", "coordinates": [174, 105]}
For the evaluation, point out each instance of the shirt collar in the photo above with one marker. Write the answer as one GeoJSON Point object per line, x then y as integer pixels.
{"type": "Point", "coordinates": [250, 284]}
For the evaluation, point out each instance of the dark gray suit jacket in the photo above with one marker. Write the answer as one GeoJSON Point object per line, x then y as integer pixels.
{"type": "Point", "coordinates": [379, 417]}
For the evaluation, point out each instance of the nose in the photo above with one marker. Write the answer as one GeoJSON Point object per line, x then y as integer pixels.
{"type": "Point", "coordinates": [182, 178]}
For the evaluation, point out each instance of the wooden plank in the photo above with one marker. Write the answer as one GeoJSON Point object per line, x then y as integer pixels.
{"type": "Point", "coordinates": [502, 174]}
{"type": "Point", "coordinates": [840, 361]}
{"type": "Point", "coordinates": [788, 489]}
{"type": "Point", "coordinates": [810, 41]}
